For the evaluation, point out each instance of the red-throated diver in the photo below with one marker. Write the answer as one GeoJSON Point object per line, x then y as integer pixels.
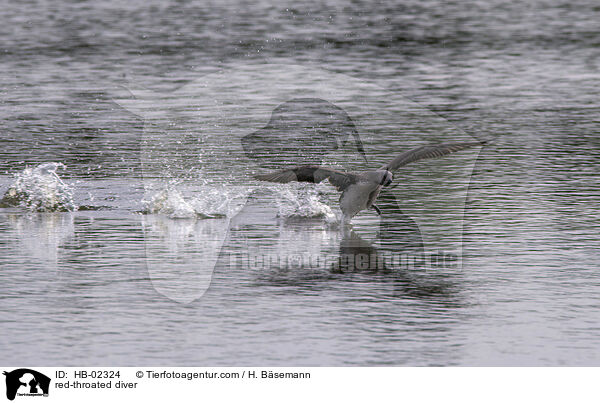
{"type": "Point", "coordinates": [360, 190]}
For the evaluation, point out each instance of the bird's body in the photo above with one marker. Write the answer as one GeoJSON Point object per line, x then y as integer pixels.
{"type": "Point", "coordinates": [360, 190]}
{"type": "Point", "coordinates": [361, 195]}
{"type": "Point", "coordinates": [357, 198]}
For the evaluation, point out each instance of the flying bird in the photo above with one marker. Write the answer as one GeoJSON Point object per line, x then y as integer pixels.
{"type": "Point", "coordinates": [360, 189]}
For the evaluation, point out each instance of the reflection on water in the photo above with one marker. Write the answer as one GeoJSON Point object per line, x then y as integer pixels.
{"type": "Point", "coordinates": [181, 254]}
{"type": "Point", "coordinates": [34, 240]}
{"type": "Point", "coordinates": [397, 231]}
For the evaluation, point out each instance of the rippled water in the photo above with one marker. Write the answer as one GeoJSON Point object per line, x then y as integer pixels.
{"type": "Point", "coordinates": [160, 258]}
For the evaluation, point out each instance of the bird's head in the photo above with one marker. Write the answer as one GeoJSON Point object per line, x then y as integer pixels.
{"type": "Point", "coordinates": [386, 178]}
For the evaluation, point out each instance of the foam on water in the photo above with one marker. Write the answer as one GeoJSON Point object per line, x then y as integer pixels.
{"type": "Point", "coordinates": [40, 189]}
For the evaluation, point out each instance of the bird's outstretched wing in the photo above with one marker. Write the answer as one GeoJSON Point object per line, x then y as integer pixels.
{"type": "Point", "coordinates": [311, 173]}
{"type": "Point", "coordinates": [428, 151]}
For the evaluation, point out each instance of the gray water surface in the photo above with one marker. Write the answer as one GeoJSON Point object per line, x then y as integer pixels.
{"type": "Point", "coordinates": [108, 285]}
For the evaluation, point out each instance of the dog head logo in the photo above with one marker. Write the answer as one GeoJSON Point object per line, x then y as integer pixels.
{"type": "Point", "coordinates": [26, 382]}
{"type": "Point", "coordinates": [303, 131]}
{"type": "Point", "coordinates": [203, 142]}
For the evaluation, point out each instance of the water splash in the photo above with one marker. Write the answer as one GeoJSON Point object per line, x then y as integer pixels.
{"type": "Point", "coordinates": [206, 204]}
{"type": "Point", "coordinates": [40, 189]}
{"type": "Point", "coordinates": [209, 201]}
{"type": "Point", "coordinates": [304, 204]}
{"type": "Point", "coordinates": [169, 202]}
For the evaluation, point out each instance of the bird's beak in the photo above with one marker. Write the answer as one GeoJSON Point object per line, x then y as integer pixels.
{"type": "Point", "coordinates": [388, 180]}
